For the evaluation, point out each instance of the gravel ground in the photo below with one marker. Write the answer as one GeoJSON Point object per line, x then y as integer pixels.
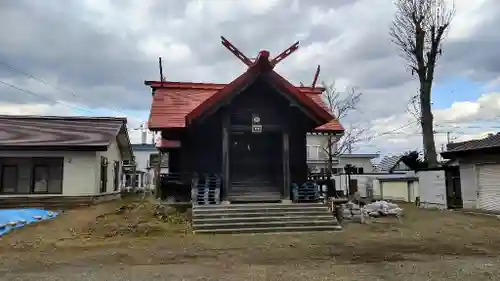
{"type": "Point", "coordinates": [476, 269]}
{"type": "Point", "coordinates": [129, 241]}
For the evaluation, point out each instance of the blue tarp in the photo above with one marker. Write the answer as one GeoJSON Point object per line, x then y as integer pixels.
{"type": "Point", "coordinates": [22, 217]}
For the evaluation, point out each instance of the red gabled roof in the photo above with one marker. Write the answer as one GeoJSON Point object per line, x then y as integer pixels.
{"type": "Point", "coordinates": [175, 100]}
{"type": "Point", "coordinates": [176, 103]}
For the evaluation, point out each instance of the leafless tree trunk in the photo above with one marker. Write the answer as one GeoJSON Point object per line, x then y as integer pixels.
{"type": "Point", "coordinates": [341, 105]}
{"type": "Point", "coordinates": [418, 30]}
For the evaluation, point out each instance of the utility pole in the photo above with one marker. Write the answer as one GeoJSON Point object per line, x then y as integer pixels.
{"type": "Point", "coordinates": [160, 153]}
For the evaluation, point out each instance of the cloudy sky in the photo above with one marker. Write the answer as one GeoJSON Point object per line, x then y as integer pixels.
{"type": "Point", "coordinates": [90, 57]}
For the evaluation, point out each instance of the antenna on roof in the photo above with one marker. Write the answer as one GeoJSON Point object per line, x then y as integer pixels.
{"type": "Point", "coordinates": [162, 79]}
{"type": "Point", "coordinates": [235, 51]}
{"type": "Point", "coordinates": [285, 53]}
{"type": "Point", "coordinates": [316, 77]}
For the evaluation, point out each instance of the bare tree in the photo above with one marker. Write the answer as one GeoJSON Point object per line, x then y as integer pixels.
{"type": "Point", "coordinates": [413, 107]}
{"type": "Point", "coordinates": [418, 30]}
{"type": "Point", "coordinates": [341, 105]}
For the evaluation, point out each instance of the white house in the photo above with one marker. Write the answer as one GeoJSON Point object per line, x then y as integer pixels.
{"type": "Point", "coordinates": [317, 157]}
{"type": "Point", "coordinates": [145, 157]}
{"type": "Point", "coordinates": [72, 158]}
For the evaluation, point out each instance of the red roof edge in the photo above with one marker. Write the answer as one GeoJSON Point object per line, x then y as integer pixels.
{"type": "Point", "coordinates": [216, 86]}
{"type": "Point", "coordinates": [184, 85]}
{"type": "Point", "coordinates": [164, 143]}
{"type": "Point", "coordinates": [326, 130]}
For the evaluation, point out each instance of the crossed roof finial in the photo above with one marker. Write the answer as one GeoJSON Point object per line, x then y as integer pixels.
{"type": "Point", "coordinates": [249, 62]}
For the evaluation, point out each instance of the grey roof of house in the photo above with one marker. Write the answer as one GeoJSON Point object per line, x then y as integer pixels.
{"type": "Point", "coordinates": [492, 141]}
{"type": "Point", "coordinates": [388, 162]}
{"type": "Point", "coordinates": [57, 131]}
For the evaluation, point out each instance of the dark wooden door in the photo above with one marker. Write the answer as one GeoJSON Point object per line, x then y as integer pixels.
{"type": "Point", "coordinates": [255, 164]}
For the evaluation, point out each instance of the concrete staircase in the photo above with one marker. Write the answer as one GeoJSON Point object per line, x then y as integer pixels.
{"type": "Point", "coordinates": [263, 218]}
{"type": "Point", "coordinates": [254, 191]}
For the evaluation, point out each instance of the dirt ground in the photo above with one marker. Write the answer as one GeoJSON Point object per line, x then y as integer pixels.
{"type": "Point", "coordinates": [128, 240]}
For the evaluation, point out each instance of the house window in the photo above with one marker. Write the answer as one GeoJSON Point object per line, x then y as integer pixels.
{"type": "Point", "coordinates": [47, 175]}
{"type": "Point", "coordinates": [116, 174]}
{"type": "Point", "coordinates": [9, 179]}
{"type": "Point", "coordinates": [31, 175]}
{"type": "Point", "coordinates": [313, 152]}
{"type": "Point", "coordinates": [40, 179]}
{"type": "Point", "coordinates": [104, 174]}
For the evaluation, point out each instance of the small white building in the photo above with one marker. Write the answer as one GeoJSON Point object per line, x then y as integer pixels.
{"type": "Point", "coordinates": [317, 157]}
{"type": "Point", "coordinates": [54, 158]}
{"type": "Point", "coordinates": [404, 188]}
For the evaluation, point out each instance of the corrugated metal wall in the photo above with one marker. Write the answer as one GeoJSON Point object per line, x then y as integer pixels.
{"type": "Point", "coordinates": [489, 187]}
{"type": "Point", "coordinates": [395, 190]}
{"type": "Point", "coordinates": [468, 185]}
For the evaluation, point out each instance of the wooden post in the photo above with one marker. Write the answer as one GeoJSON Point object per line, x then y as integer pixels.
{"type": "Point", "coordinates": [286, 166]}
{"type": "Point", "coordinates": [157, 177]}
{"type": "Point", "coordinates": [225, 156]}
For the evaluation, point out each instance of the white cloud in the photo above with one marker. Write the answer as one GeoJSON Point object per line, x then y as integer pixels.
{"type": "Point", "coordinates": [163, 46]}
{"type": "Point", "coordinates": [35, 109]}
{"type": "Point", "coordinates": [468, 16]}
{"type": "Point", "coordinates": [461, 121]}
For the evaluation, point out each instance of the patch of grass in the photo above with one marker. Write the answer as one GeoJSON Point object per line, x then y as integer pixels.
{"type": "Point", "coordinates": [136, 219]}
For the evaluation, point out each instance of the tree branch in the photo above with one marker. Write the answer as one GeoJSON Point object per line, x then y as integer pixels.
{"type": "Point", "coordinates": [341, 104]}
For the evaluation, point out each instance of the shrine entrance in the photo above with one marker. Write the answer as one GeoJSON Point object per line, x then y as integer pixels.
{"type": "Point", "coordinates": [256, 169]}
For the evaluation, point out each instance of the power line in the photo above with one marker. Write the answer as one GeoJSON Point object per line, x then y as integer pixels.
{"type": "Point", "coordinates": [396, 129]}
{"type": "Point", "coordinates": [58, 88]}
{"type": "Point", "coordinates": [44, 97]}
{"type": "Point", "coordinates": [52, 100]}
{"type": "Point", "coordinates": [390, 131]}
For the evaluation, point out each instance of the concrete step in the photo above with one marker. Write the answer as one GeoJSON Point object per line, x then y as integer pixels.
{"type": "Point", "coordinates": [308, 213]}
{"type": "Point", "coordinates": [255, 199]}
{"type": "Point", "coordinates": [265, 224]}
{"type": "Point", "coordinates": [249, 219]}
{"type": "Point", "coordinates": [261, 206]}
{"type": "Point", "coordinates": [281, 229]}
{"type": "Point", "coordinates": [259, 210]}
{"type": "Point", "coordinates": [263, 217]}
{"type": "Point", "coordinates": [253, 192]}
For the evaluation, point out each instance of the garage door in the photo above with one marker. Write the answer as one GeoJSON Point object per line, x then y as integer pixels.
{"type": "Point", "coordinates": [397, 190]}
{"type": "Point", "coordinates": [489, 187]}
